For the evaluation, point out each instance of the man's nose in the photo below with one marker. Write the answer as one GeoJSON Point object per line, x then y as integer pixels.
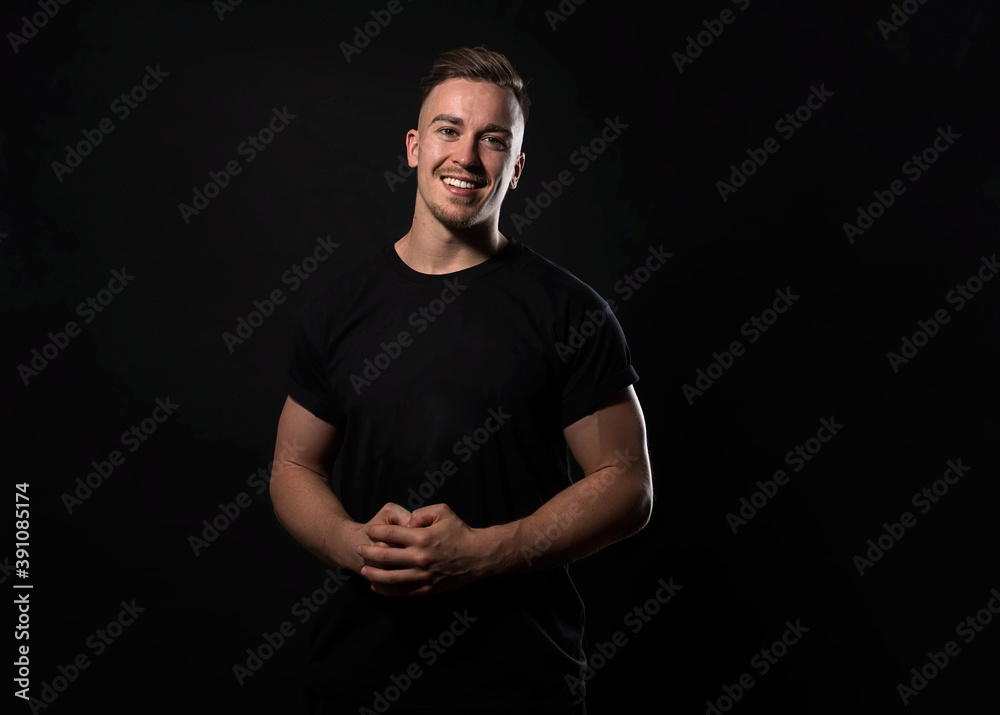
{"type": "Point", "coordinates": [466, 152]}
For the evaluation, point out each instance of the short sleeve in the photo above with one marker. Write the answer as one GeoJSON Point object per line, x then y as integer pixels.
{"type": "Point", "coordinates": [596, 360]}
{"type": "Point", "coordinates": [307, 376]}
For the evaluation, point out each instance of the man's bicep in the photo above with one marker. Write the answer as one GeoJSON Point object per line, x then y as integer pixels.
{"type": "Point", "coordinates": [612, 436]}
{"type": "Point", "coordinates": [305, 440]}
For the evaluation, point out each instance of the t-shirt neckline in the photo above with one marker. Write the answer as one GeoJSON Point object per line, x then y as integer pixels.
{"type": "Point", "coordinates": [494, 262]}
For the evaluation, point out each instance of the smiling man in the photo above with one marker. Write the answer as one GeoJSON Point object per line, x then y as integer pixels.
{"type": "Point", "coordinates": [422, 448]}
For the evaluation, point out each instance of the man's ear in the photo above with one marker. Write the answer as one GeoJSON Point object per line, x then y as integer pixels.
{"type": "Point", "coordinates": [412, 140]}
{"type": "Point", "coordinates": [518, 167]}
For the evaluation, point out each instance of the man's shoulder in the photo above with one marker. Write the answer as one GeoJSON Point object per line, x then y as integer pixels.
{"type": "Point", "coordinates": [554, 276]}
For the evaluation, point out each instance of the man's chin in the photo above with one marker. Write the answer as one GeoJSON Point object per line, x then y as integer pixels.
{"type": "Point", "coordinates": [458, 225]}
{"type": "Point", "coordinates": [458, 221]}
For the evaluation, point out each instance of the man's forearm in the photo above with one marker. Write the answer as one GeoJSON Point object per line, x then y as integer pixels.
{"type": "Point", "coordinates": [596, 511]}
{"type": "Point", "coordinates": [314, 516]}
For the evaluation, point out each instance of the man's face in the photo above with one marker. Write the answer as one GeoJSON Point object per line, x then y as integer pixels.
{"type": "Point", "coordinates": [469, 132]}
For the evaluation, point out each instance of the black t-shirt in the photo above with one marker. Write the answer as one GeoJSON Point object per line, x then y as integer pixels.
{"type": "Point", "coordinates": [455, 389]}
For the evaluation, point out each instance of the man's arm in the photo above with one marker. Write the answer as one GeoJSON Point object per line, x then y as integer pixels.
{"type": "Point", "coordinates": [611, 502]}
{"type": "Point", "coordinates": [304, 452]}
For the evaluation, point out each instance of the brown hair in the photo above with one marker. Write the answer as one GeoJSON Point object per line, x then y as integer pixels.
{"type": "Point", "coordinates": [477, 64]}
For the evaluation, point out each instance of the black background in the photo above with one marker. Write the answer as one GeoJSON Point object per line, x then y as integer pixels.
{"type": "Point", "coordinates": [653, 186]}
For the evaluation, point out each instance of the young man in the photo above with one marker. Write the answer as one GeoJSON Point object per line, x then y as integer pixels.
{"type": "Point", "coordinates": [423, 447]}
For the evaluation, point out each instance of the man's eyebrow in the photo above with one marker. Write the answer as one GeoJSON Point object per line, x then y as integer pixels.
{"type": "Point", "coordinates": [457, 121]}
{"type": "Point", "coordinates": [447, 118]}
{"type": "Point", "coordinates": [497, 129]}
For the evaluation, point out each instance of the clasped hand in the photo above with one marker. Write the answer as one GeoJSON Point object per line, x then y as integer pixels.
{"type": "Point", "coordinates": [430, 550]}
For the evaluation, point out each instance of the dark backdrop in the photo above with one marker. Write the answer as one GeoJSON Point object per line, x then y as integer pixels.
{"type": "Point", "coordinates": [881, 94]}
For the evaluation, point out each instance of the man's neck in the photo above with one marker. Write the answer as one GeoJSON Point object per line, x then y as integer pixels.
{"type": "Point", "coordinates": [444, 251]}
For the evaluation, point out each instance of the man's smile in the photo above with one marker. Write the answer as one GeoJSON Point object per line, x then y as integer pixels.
{"type": "Point", "coordinates": [463, 186]}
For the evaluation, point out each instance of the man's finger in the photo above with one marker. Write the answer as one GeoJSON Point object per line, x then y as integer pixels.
{"type": "Point", "coordinates": [422, 518]}
{"type": "Point", "coordinates": [394, 534]}
{"type": "Point", "coordinates": [408, 578]}
{"type": "Point", "coordinates": [389, 557]}
{"type": "Point", "coordinates": [400, 515]}
{"type": "Point", "coordinates": [393, 514]}
{"type": "Point", "coordinates": [427, 515]}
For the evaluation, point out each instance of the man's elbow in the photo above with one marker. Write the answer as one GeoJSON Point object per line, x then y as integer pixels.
{"type": "Point", "coordinates": [643, 509]}
{"type": "Point", "coordinates": [639, 500]}
{"type": "Point", "coordinates": [278, 482]}
{"type": "Point", "coordinates": [278, 490]}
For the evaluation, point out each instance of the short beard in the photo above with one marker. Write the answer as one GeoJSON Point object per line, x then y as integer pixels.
{"type": "Point", "coordinates": [447, 219]}
{"type": "Point", "coordinates": [452, 222]}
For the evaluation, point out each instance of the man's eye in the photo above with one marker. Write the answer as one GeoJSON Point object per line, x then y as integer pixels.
{"type": "Point", "coordinates": [447, 131]}
{"type": "Point", "coordinates": [497, 141]}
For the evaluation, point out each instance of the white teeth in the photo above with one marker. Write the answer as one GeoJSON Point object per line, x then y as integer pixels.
{"type": "Point", "coordinates": [459, 183]}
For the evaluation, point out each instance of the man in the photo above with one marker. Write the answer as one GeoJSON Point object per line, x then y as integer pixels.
{"type": "Point", "coordinates": [449, 373]}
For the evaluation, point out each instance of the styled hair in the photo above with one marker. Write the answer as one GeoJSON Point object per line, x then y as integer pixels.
{"type": "Point", "coordinates": [479, 65]}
